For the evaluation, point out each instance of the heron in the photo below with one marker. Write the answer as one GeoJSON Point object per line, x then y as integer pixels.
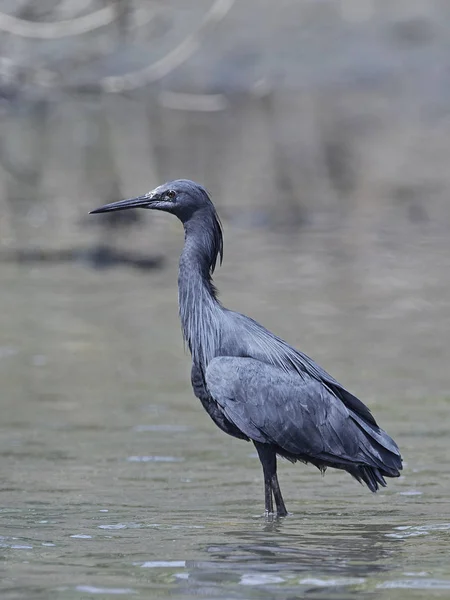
{"type": "Point", "coordinates": [253, 384]}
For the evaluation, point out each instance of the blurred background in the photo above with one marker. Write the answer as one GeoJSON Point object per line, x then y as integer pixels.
{"type": "Point", "coordinates": [322, 130]}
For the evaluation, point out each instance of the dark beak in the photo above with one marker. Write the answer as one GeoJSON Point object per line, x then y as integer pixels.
{"type": "Point", "coordinates": [139, 202]}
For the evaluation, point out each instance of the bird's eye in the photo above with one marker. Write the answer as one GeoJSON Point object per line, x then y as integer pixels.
{"type": "Point", "coordinates": [171, 195]}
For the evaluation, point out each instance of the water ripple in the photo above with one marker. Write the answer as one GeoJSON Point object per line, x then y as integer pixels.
{"type": "Point", "coordinates": [259, 579]}
{"type": "Point", "coordinates": [90, 589]}
{"type": "Point", "coordinates": [418, 584]}
{"type": "Point", "coordinates": [154, 459]}
{"type": "Point", "coordinates": [162, 564]}
{"type": "Point", "coordinates": [406, 531]}
{"type": "Point", "coordinates": [336, 582]}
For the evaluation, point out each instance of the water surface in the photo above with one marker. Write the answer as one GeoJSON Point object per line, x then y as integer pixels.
{"type": "Point", "coordinates": [115, 483]}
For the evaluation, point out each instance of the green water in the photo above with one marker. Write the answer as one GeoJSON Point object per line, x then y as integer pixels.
{"type": "Point", "coordinates": [115, 483]}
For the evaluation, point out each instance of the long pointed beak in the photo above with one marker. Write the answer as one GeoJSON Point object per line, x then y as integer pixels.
{"type": "Point", "coordinates": [139, 202]}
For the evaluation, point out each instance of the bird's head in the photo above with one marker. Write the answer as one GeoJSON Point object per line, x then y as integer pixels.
{"type": "Point", "coordinates": [182, 197]}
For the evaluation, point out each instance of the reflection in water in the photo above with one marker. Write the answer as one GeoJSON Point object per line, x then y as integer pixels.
{"type": "Point", "coordinates": [285, 562]}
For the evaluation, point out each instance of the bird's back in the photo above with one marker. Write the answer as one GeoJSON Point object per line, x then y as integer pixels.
{"type": "Point", "coordinates": [247, 338]}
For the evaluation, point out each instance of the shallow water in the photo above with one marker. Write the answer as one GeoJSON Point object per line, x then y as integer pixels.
{"type": "Point", "coordinates": [114, 483]}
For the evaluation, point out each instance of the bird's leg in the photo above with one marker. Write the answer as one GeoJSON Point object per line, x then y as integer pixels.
{"type": "Point", "coordinates": [268, 459]}
{"type": "Point", "coordinates": [281, 507]}
{"type": "Point", "coordinates": [268, 495]}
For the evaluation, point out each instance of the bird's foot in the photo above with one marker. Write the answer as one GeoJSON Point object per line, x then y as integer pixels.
{"type": "Point", "coordinates": [274, 516]}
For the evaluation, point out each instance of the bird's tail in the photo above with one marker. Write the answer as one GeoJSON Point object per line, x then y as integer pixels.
{"type": "Point", "coordinates": [380, 454]}
{"type": "Point", "coordinates": [371, 476]}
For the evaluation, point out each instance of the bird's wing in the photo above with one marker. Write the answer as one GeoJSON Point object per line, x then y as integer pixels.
{"type": "Point", "coordinates": [300, 416]}
{"type": "Point", "coordinates": [263, 345]}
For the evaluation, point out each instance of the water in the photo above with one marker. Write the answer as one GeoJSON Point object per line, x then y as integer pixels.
{"type": "Point", "coordinates": [114, 482]}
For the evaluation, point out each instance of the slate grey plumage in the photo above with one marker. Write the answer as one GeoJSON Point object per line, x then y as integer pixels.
{"type": "Point", "coordinates": [253, 384]}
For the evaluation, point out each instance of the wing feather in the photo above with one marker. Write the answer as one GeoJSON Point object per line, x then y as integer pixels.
{"type": "Point", "coordinates": [299, 415]}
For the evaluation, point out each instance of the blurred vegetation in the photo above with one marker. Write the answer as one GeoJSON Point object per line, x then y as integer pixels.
{"type": "Point", "coordinates": [296, 114]}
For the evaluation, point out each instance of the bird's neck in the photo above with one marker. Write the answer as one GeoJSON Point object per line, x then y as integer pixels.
{"type": "Point", "coordinates": [200, 311]}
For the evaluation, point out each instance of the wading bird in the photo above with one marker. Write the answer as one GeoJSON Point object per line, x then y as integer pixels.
{"type": "Point", "coordinates": [253, 384]}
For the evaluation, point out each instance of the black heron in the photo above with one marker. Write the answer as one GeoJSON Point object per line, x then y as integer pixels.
{"type": "Point", "coordinates": [253, 384]}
